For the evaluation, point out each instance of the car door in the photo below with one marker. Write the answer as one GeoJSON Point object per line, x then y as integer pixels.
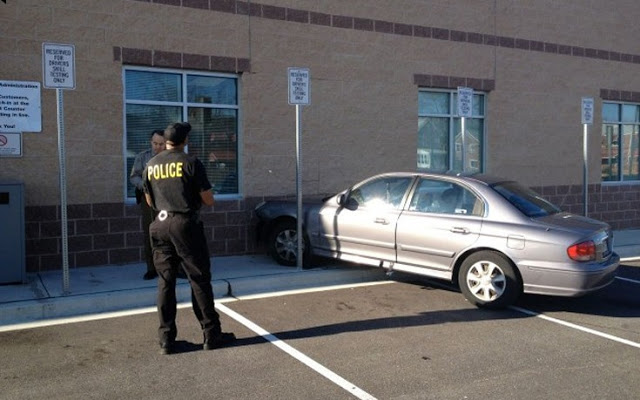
{"type": "Point", "coordinates": [442, 219]}
{"type": "Point", "coordinates": [364, 224]}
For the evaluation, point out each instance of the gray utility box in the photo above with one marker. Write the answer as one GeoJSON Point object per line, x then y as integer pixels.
{"type": "Point", "coordinates": [12, 248]}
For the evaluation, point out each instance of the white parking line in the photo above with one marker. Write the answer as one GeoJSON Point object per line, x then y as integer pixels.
{"type": "Point", "coordinates": [627, 279]}
{"type": "Point", "coordinates": [90, 317]}
{"type": "Point", "coordinates": [319, 368]}
{"type": "Point", "coordinates": [578, 327]}
{"type": "Point", "coordinates": [145, 310]}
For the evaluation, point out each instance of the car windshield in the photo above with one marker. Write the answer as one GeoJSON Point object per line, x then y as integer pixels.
{"type": "Point", "coordinates": [526, 200]}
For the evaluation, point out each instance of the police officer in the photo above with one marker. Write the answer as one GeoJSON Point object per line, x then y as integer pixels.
{"type": "Point", "coordinates": [139, 164]}
{"type": "Point", "coordinates": [176, 186]}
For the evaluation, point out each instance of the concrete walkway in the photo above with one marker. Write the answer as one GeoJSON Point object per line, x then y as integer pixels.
{"type": "Point", "coordinates": [115, 288]}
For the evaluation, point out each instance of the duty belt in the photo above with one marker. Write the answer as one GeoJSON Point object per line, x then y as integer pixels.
{"type": "Point", "coordinates": [163, 214]}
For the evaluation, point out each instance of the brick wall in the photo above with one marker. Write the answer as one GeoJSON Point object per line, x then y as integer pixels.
{"type": "Point", "coordinates": [111, 233]}
{"type": "Point", "coordinates": [618, 205]}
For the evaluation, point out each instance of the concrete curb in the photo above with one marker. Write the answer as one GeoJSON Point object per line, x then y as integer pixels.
{"type": "Point", "coordinates": [84, 304]}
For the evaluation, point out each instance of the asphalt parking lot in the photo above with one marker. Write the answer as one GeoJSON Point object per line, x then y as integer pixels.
{"type": "Point", "coordinates": [404, 339]}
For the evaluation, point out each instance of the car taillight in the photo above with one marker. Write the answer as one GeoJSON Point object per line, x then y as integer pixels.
{"type": "Point", "coordinates": [585, 251]}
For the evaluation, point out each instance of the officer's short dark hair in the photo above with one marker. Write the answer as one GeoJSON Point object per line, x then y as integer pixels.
{"type": "Point", "coordinates": [177, 132]}
{"type": "Point", "coordinates": [157, 132]}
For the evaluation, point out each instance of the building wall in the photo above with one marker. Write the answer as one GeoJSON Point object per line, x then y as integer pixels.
{"type": "Point", "coordinates": [367, 60]}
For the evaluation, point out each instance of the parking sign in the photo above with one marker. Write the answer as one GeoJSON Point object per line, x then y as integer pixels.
{"type": "Point", "coordinates": [587, 110]}
{"type": "Point", "coordinates": [59, 66]}
{"type": "Point", "coordinates": [299, 89]}
{"type": "Point", "coordinates": [465, 102]}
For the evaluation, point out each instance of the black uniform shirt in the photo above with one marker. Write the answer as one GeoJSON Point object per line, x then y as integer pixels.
{"type": "Point", "coordinates": [174, 181]}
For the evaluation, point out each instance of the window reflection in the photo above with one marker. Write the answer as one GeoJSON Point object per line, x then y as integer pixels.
{"type": "Point", "coordinates": [620, 142]}
{"type": "Point", "coordinates": [439, 132]}
{"type": "Point", "coordinates": [214, 141]}
{"type": "Point", "coordinates": [154, 99]}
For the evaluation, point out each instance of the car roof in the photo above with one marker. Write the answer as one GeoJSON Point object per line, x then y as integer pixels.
{"type": "Point", "coordinates": [485, 179]}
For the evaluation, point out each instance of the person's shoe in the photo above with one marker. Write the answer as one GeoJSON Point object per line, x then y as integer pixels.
{"type": "Point", "coordinates": [220, 340]}
{"type": "Point", "coordinates": [149, 275]}
{"type": "Point", "coordinates": [167, 347]}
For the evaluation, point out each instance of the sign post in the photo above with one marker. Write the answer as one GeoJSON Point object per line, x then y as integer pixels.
{"type": "Point", "coordinates": [465, 109]}
{"type": "Point", "coordinates": [587, 119]}
{"type": "Point", "coordinates": [58, 69]}
{"type": "Point", "coordinates": [299, 94]}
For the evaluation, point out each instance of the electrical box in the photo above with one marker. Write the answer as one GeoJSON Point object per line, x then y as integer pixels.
{"type": "Point", "coordinates": [12, 234]}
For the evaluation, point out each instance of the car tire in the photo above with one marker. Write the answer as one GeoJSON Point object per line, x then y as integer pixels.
{"type": "Point", "coordinates": [283, 242]}
{"type": "Point", "coordinates": [488, 279]}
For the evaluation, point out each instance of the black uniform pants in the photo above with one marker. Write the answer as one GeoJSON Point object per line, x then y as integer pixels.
{"type": "Point", "coordinates": [180, 240]}
{"type": "Point", "coordinates": [148, 214]}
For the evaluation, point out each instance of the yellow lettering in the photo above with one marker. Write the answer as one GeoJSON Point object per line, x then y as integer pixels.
{"type": "Point", "coordinates": [164, 171]}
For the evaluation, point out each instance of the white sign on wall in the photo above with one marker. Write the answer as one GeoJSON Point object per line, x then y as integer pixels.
{"type": "Point", "coordinates": [299, 89]}
{"type": "Point", "coordinates": [10, 144]}
{"type": "Point", "coordinates": [59, 66]}
{"type": "Point", "coordinates": [20, 109]}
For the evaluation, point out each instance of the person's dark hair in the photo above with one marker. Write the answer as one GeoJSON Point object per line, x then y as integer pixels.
{"type": "Point", "coordinates": [177, 132]}
{"type": "Point", "coordinates": [157, 132]}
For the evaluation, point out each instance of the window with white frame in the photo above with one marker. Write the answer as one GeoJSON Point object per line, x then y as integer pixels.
{"type": "Point", "coordinates": [620, 141]}
{"type": "Point", "coordinates": [154, 98]}
{"type": "Point", "coordinates": [440, 143]}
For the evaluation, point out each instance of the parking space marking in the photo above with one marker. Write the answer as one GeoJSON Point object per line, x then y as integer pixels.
{"type": "Point", "coordinates": [309, 290]}
{"type": "Point", "coordinates": [578, 327]}
{"type": "Point", "coordinates": [627, 279]}
{"type": "Point", "coordinates": [314, 365]}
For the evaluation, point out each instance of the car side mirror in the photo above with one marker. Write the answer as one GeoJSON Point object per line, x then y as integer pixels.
{"type": "Point", "coordinates": [352, 204]}
{"type": "Point", "coordinates": [347, 202]}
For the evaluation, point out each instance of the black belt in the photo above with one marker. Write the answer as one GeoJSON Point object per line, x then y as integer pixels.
{"type": "Point", "coordinates": [163, 214]}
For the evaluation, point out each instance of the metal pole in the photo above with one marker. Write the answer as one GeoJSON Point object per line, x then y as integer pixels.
{"type": "Point", "coordinates": [464, 156]}
{"type": "Point", "coordinates": [299, 251]}
{"type": "Point", "coordinates": [63, 194]}
{"type": "Point", "coordinates": [585, 182]}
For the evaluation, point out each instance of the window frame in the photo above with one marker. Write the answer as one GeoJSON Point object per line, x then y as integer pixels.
{"type": "Point", "coordinates": [452, 117]}
{"type": "Point", "coordinates": [185, 105]}
{"type": "Point", "coordinates": [620, 123]}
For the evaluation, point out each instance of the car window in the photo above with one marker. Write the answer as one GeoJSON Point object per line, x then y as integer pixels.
{"type": "Point", "coordinates": [441, 197]}
{"type": "Point", "coordinates": [385, 192]}
{"type": "Point", "coordinates": [526, 200]}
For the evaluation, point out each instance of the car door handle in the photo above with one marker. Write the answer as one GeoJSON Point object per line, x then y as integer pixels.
{"type": "Point", "coordinates": [382, 221]}
{"type": "Point", "coordinates": [464, 231]}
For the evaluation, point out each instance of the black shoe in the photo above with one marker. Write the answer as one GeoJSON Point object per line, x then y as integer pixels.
{"type": "Point", "coordinates": [220, 340]}
{"type": "Point", "coordinates": [149, 275]}
{"type": "Point", "coordinates": [167, 347]}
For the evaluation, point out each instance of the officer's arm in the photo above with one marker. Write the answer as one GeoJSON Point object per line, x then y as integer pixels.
{"type": "Point", "coordinates": [207, 197]}
{"type": "Point", "coordinates": [136, 173]}
{"type": "Point", "coordinates": [148, 198]}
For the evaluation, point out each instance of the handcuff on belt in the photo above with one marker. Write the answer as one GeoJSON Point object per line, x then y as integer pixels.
{"type": "Point", "coordinates": [162, 215]}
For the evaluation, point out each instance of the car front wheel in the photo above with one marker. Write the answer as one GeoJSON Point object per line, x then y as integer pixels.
{"type": "Point", "coordinates": [283, 243]}
{"type": "Point", "coordinates": [488, 279]}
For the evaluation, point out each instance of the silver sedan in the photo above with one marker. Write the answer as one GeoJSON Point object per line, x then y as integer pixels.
{"type": "Point", "coordinates": [494, 237]}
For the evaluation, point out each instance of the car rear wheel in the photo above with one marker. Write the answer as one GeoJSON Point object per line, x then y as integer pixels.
{"type": "Point", "coordinates": [488, 279]}
{"type": "Point", "coordinates": [283, 243]}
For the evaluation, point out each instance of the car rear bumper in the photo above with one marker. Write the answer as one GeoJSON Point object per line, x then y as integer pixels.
{"type": "Point", "coordinates": [567, 280]}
